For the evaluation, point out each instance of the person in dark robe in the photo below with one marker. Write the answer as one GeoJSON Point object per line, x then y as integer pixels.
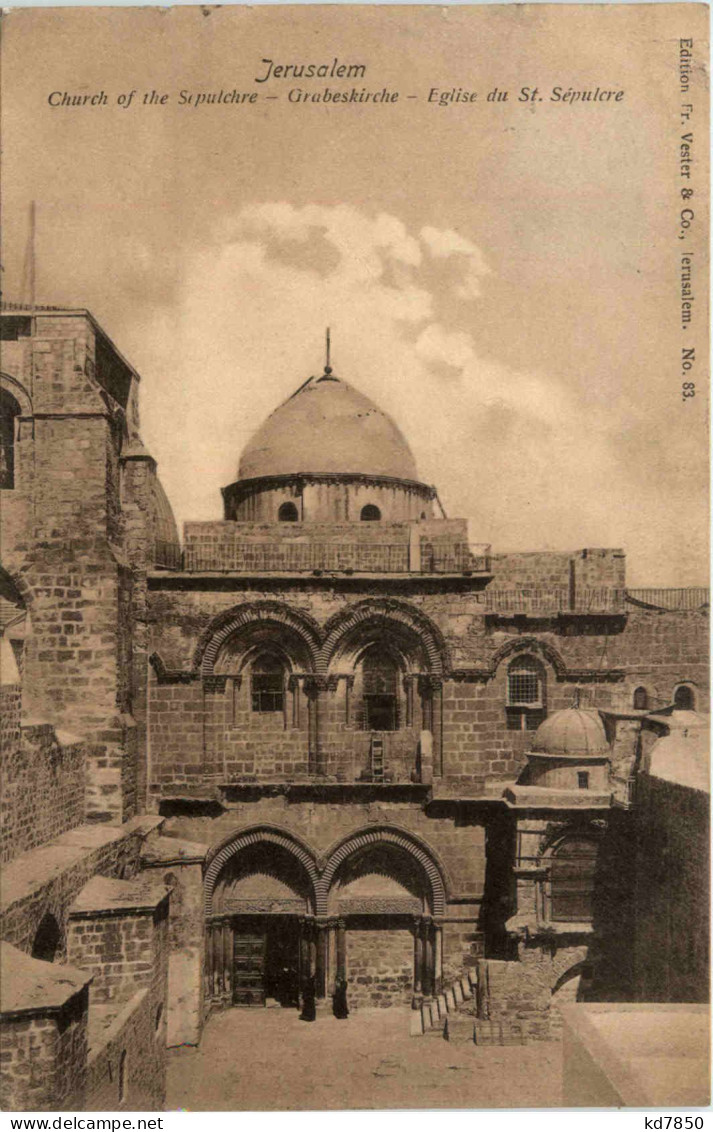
{"type": "Point", "coordinates": [339, 998]}
{"type": "Point", "coordinates": [309, 1000]}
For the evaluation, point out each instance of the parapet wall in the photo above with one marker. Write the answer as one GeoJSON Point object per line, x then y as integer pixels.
{"type": "Point", "coordinates": [43, 781]}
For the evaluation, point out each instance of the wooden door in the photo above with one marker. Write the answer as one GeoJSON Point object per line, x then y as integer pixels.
{"type": "Point", "coordinates": [248, 968]}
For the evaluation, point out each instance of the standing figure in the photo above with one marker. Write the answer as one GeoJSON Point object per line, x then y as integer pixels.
{"type": "Point", "coordinates": [339, 999]}
{"type": "Point", "coordinates": [309, 1000]}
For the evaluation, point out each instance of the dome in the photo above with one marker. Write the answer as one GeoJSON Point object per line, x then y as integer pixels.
{"type": "Point", "coordinates": [327, 428]}
{"type": "Point", "coordinates": [572, 731]}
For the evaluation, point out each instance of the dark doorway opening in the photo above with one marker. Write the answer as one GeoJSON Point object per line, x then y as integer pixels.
{"type": "Point", "coordinates": [266, 960]}
{"type": "Point", "coordinates": [47, 939]}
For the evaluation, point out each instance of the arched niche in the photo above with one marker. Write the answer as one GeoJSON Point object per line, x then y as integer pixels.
{"type": "Point", "coordinates": [48, 939]}
{"type": "Point", "coordinates": [262, 860]}
{"type": "Point", "coordinates": [263, 878]}
{"type": "Point", "coordinates": [392, 853]}
{"type": "Point", "coordinates": [380, 878]}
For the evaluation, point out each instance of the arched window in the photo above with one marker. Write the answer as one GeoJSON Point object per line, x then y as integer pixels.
{"type": "Point", "coordinates": [684, 699]}
{"type": "Point", "coordinates": [380, 684]}
{"type": "Point", "coordinates": [641, 699]}
{"type": "Point", "coordinates": [267, 682]}
{"type": "Point", "coordinates": [370, 514]}
{"type": "Point", "coordinates": [525, 705]}
{"type": "Point", "coordinates": [9, 411]}
{"type": "Point", "coordinates": [572, 879]}
{"type": "Point", "coordinates": [47, 939]}
{"type": "Point", "coordinates": [287, 513]}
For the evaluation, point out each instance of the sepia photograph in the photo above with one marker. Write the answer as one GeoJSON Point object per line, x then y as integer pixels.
{"type": "Point", "coordinates": [354, 538]}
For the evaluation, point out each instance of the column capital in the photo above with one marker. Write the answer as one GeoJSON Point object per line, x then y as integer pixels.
{"type": "Point", "coordinates": [216, 683]}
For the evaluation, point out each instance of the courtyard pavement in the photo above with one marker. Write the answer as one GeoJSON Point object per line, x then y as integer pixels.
{"type": "Point", "coordinates": [264, 1059]}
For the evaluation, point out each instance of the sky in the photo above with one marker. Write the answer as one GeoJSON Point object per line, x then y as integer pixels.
{"type": "Point", "coordinates": [500, 277]}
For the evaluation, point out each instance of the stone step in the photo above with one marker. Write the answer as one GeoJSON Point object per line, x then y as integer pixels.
{"type": "Point", "coordinates": [459, 1028]}
{"type": "Point", "coordinates": [498, 1033]}
{"type": "Point", "coordinates": [416, 1024]}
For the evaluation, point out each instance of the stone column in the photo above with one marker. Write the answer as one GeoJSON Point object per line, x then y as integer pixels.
{"type": "Point", "coordinates": [341, 949]}
{"type": "Point", "coordinates": [437, 957]}
{"type": "Point", "coordinates": [427, 937]}
{"type": "Point", "coordinates": [417, 961]}
{"type": "Point", "coordinates": [408, 691]}
{"type": "Point", "coordinates": [322, 944]}
{"type": "Point", "coordinates": [437, 725]}
{"type": "Point", "coordinates": [293, 685]}
{"type": "Point", "coordinates": [312, 690]}
{"type": "Point", "coordinates": [217, 960]}
{"type": "Point", "coordinates": [227, 960]}
{"type": "Point", "coordinates": [209, 961]}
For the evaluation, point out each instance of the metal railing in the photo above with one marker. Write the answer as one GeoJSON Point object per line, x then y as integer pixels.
{"type": "Point", "coordinates": [555, 599]}
{"type": "Point", "coordinates": [277, 557]}
{"type": "Point", "coordinates": [167, 555]}
{"type": "Point", "coordinates": [692, 597]}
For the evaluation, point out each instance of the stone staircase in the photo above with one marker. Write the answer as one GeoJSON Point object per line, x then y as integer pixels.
{"type": "Point", "coordinates": [440, 1016]}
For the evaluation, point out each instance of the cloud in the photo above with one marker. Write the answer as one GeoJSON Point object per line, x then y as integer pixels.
{"type": "Point", "coordinates": [443, 243]}
{"type": "Point", "coordinates": [521, 453]}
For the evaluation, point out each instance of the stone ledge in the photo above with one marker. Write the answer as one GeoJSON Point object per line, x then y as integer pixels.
{"type": "Point", "coordinates": [173, 851]}
{"type": "Point", "coordinates": [32, 986]}
{"type": "Point", "coordinates": [104, 896]}
{"type": "Point", "coordinates": [104, 1023]}
{"type": "Point", "coordinates": [30, 871]}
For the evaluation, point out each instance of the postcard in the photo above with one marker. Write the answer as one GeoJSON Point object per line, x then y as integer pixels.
{"type": "Point", "coordinates": [354, 557]}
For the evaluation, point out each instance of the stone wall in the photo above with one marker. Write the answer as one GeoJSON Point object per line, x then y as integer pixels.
{"type": "Point", "coordinates": [65, 550]}
{"type": "Point", "coordinates": [672, 898]}
{"type": "Point", "coordinates": [380, 966]}
{"type": "Point", "coordinates": [43, 782]}
{"type": "Point", "coordinates": [43, 1057]}
{"type": "Point", "coordinates": [126, 1070]}
{"type": "Point", "coordinates": [522, 997]}
{"type": "Point", "coordinates": [600, 659]}
{"type": "Point", "coordinates": [47, 880]}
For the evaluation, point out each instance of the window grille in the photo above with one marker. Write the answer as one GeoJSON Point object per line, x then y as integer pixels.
{"type": "Point", "coordinates": [380, 677]}
{"type": "Point", "coordinates": [525, 707]}
{"type": "Point", "coordinates": [572, 880]}
{"type": "Point", "coordinates": [524, 688]}
{"type": "Point", "coordinates": [268, 685]}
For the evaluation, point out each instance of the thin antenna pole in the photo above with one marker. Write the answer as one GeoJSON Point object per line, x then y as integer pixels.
{"type": "Point", "coordinates": [27, 294]}
{"type": "Point", "coordinates": [327, 364]}
{"type": "Point", "coordinates": [32, 253]}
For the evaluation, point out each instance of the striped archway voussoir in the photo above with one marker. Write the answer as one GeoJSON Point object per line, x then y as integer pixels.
{"type": "Point", "coordinates": [383, 836]}
{"type": "Point", "coordinates": [253, 613]}
{"type": "Point", "coordinates": [386, 612]}
{"type": "Point", "coordinates": [255, 837]}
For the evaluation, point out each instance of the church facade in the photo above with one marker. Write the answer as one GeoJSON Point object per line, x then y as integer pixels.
{"type": "Point", "coordinates": [325, 741]}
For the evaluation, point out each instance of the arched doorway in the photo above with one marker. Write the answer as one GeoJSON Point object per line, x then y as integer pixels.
{"type": "Point", "coordinates": [260, 922]}
{"type": "Point", "coordinates": [385, 898]}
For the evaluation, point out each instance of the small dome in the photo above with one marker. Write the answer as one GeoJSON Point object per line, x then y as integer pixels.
{"type": "Point", "coordinates": [327, 427]}
{"type": "Point", "coordinates": [572, 731]}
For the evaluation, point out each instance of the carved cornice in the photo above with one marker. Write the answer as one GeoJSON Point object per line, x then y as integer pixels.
{"type": "Point", "coordinates": [297, 480]}
{"type": "Point", "coordinates": [170, 676]}
{"type": "Point", "coordinates": [215, 683]}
